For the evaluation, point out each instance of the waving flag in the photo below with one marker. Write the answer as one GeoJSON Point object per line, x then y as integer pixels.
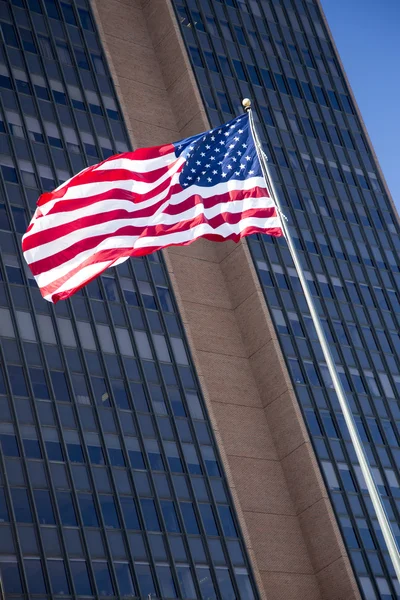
{"type": "Point", "coordinates": [210, 185]}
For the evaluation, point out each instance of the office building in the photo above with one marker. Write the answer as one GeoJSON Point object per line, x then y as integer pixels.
{"type": "Point", "coordinates": [171, 431]}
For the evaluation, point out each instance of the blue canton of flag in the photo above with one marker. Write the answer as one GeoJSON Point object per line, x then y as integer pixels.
{"type": "Point", "coordinates": [224, 153]}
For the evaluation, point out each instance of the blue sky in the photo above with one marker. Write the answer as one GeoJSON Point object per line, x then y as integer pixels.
{"type": "Point", "coordinates": [367, 36]}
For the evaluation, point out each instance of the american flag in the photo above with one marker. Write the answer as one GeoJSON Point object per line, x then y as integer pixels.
{"type": "Point", "coordinates": [209, 185]}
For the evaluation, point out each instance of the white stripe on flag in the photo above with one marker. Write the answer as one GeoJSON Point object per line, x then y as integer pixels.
{"type": "Point", "coordinates": [204, 192]}
{"type": "Point", "coordinates": [123, 241]}
{"type": "Point", "coordinates": [225, 230]}
{"type": "Point", "coordinates": [110, 205]}
{"type": "Point", "coordinates": [181, 237]}
{"type": "Point", "coordinates": [64, 242]}
{"type": "Point", "coordinates": [138, 166]}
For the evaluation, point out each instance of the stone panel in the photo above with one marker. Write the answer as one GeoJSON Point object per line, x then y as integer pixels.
{"type": "Point", "coordinates": [337, 582]}
{"type": "Point", "coordinates": [286, 423]}
{"type": "Point", "coordinates": [320, 534]}
{"type": "Point", "coordinates": [245, 432]}
{"type": "Point", "coordinates": [306, 484]}
{"type": "Point", "coordinates": [290, 586]}
{"type": "Point", "coordinates": [278, 542]}
{"type": "Point", "coordinates": [230, 378]}
{"type": "Point", "coordinates": [253, 477]}
{"type": "Point", "coordinates": [207, 288]}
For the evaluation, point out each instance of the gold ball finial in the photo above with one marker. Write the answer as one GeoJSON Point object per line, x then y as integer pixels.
{"type": "Point", "coordinates": [246, 103]}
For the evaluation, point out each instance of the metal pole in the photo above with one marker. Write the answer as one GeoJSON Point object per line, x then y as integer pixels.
{"type": "Point", "coordinates": [373, 491]}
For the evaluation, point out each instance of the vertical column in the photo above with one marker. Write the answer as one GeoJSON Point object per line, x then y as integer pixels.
{"type": "Point", "coordinates": [286, 518]}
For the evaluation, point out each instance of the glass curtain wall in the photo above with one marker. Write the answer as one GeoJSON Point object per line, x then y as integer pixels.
{"type": "Point", "coordinates": [110, 481]}
{"type": "Point", "coordinates": [278, 53]}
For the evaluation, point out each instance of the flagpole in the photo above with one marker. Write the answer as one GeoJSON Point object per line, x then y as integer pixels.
{"type": "Point", "coordinates": [373, 491]}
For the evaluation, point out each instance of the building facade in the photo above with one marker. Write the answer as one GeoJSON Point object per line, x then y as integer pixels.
{"type": "Point", "coordinates": [172, 432]}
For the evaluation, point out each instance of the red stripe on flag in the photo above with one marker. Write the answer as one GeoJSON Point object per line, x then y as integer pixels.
{"type": "Point", "coordinates": [115, 254]}
{"type": "Point", "coordinates": [55, 260]}
{"type": "Point", "coordinates": [55, 232]}
{"type": "Point", "coordinates": [152, 152]}
{"type": "Point", "coordinates": [93, 174]}
{"type": "Point", "coordinates": [171, 209]}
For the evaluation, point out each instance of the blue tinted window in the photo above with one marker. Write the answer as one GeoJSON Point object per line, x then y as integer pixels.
{"type": "Point", "coordinates": [254, 78]}
{"type": "Point", "coordinates": [27, 40]}
{"type": "Point", "coordinates": [58, 578]}
{"type": "Point", "coordinates": [333, 99]}
{"type": "Point", "coordinates": [66, 508]}
{"type": "Point", "coordinates": [39, 383]}
{"type": "Point", "coordinates": [321, 97]}
{"type": "Point", "coordinates": [170, 518]}
{"type": "Point", "coordinates": [225, 584]}
{"type": "Point", "coordinates": [10, 576]}
{"type": "Point", "coordinates": [294, 88]}
{"type": "Point", "coordinates": [109, 511]}
{"type": "Point", "coordinates": [34, 5]}
{"type": "Point", "coordinates": [5, 82]}
{"type": "Point", "coordinates": [206, 583]}
{"type": "Point", "coordinates": [3, 507]}
{"type": "Point", "coordinates": [320, 127]}
{"type": "Point", "coordinates": [307, 91]}
{"type": "Point", "coordinates": [81, 578]}
{"type": "Point", "coordinates": [130, 513]}
{"type": "Point", "coordinates": [9, 445]}
{"type": "Point", "coordinates": [124, 579]}
{"type": "Point", "coordinates": [346, 104]}
{"type": "Point", "coordinates": [209, 523]}
{"type": "Point", "coordinates": [266, 115]}
{"type": "Point", "coordinates": [34, 575]}
{"type": "Point", "coordinates": [195, 54]}
{"type": "Point", "coordinates": [145, 578]}
{"type": "Point", "coordinates": [103, 579]}
{"type": "Point", "coordinates": [17, 379]}
{"type": "Point", "coordinates": [225, 66]}
{"type": "Point", "coordinates": [81, 58]}
{"type": "Point", "coordinates": [61, 391]}
{"type": "Point", "coordinates": [166, 582]}
{"type": "Point", "coordinates": [21, 505]}
{"type": "Point", "coordinates": [9, 34]}
{"type": "Point", "coordinates": [68, 14]}
{"type": "Point", "coordinates": [189, 518]}
{"type": "Point", "coordinates": [210, 61]}
{"type": "Point", "coordinates": [228, 525]}
{"type": "Point", "coordinates": [281, 83]}
{"type": "Point", "coordinates": [150, 515]}
{"type": "Point", "coordinates": [88, 510]}
{"type": "Point", "coordinates": [239, 70]}
{"type": "Point", "coordinates": [51, 9]}
{"type": "Point", "coordinates": [44, 507]}
{"type": "Point", "coordinates": [86, 19]}
{"type": "Point", "coordinates": [307, 58]}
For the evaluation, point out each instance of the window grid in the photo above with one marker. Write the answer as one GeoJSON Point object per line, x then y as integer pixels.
{"type": "Point", "coordinates": [48, 353]}
{"type": "Point", "coordinates": [344, 230]}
